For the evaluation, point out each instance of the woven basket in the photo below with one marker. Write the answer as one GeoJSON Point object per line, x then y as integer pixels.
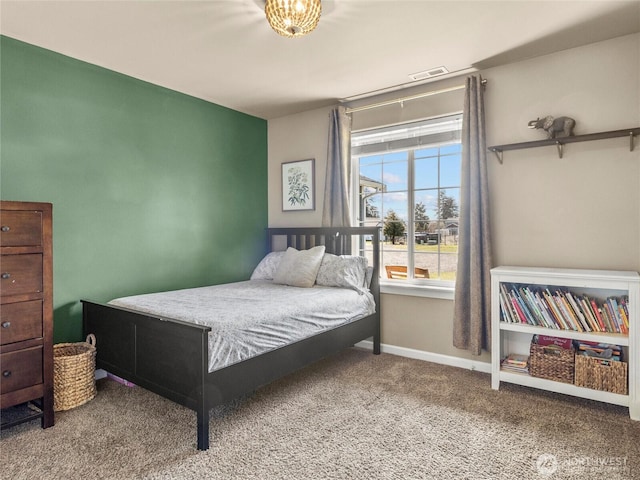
{"type": "Point", "coordinates": [74, 367]}
{"type": "Point", "coordinates": [552, 363]}
{"type": "Point", "coordinates": [600, 374]}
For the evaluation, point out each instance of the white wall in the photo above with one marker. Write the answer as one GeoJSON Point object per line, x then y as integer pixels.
{"type": "Point", "coordinates": [297, 137]}
{"type": "Point", "coordinates": [581, 211]}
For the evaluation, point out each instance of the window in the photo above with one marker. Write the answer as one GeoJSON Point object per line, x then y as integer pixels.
{"type": "Point", "coordinates": [408, 183]}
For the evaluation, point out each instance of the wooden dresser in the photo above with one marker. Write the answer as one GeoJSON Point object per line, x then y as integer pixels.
{"type": "Point", "coordinates": [26, 310]}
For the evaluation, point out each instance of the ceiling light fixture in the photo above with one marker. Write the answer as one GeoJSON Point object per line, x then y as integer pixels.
{"type": "Point", "coordinates": [293, 18]}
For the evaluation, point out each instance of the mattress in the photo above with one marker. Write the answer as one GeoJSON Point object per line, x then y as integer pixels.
{"type": "Point", "coordinates": [253, 317]}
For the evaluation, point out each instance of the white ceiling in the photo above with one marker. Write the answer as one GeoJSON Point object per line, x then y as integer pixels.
{"type": "Point", "coordinates": [225, 52]}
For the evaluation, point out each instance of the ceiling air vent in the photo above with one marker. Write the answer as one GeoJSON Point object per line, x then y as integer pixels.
{"type": "Point", "coordinates": [433, 72]}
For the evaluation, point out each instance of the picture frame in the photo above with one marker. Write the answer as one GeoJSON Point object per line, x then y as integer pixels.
{"type": "Point", "coordinates": [298, 185]}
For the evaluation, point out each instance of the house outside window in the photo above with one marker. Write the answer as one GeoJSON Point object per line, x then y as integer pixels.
{"type": "Point", "coordinates": [408, 183]}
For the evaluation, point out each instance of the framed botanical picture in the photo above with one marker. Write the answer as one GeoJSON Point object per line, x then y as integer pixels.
{"type": "Point", "coordinates": [298, 185]}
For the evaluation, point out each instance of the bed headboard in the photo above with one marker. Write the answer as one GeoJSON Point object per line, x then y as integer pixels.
{"type": "Point", "coordinates": [363, 241]}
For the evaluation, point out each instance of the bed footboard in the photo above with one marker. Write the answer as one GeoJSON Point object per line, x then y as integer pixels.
{"type": "Point", "coordinates": [165, 356]}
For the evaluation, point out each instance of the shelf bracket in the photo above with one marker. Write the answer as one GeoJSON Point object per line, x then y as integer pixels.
{"type": "Point", "coordinates": [560, 149]}
{"type": "Point", "coordinates": [631, 138]}
{"type": "Point", "coordinates": [498, 154]}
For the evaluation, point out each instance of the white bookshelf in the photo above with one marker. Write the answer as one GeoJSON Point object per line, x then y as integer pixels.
{"type": "Point", "coordinates": [509, 338]}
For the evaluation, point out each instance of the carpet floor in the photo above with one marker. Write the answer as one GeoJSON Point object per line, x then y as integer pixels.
{"type": "Point", "coordinates": [352, 416]}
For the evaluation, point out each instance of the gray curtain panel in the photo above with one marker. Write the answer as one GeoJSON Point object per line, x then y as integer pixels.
{"type": "Point", "coordinates": [336, 211]}
{"type": "Point", "coordinates": [472, 309]}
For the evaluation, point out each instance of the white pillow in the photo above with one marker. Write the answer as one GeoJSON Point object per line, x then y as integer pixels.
{"type": "Point", "coordinates": [299, 268]}
{"type": "Point", "coordinates": [346, 271]}
{"type": "Point", "coordinates": [267, 266]}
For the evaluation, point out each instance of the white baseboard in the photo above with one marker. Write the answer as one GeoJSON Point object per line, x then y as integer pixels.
{"type": "Point", "coordinates": [450, 360]}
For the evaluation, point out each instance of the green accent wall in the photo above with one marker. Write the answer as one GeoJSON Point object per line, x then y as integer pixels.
{"type": "Point", "coordinates": [151, 189]}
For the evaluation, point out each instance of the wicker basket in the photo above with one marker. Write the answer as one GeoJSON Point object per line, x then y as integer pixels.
{"type": "Point", "coordinates": [552, 363]}
{"type": "Point", "coordinates": [600, 374]}
{"type": "Point", "coordinates": [74, 367]}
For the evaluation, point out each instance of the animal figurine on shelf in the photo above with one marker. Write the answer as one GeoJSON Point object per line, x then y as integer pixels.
{"type": "Point", "coordinates": [555, 127]}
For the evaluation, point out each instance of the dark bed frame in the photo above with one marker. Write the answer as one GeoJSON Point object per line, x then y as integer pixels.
{"type": "Point", "coordinates": [170, 357]}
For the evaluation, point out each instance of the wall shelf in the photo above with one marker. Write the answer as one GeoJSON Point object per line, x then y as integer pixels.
{"type": "Point", "coordinates": [560, 142]}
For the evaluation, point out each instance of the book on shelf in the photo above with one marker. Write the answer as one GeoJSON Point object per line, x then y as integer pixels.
{"type": "Point", "coordinates": [625, 308]}
{"type": "Point", "coordinates": [553, 307]}
{"type": "Point", "coordinates": [546, 340]}
{"type": "Point", "coordinates": [507, 311]}
{"type": "Point", "coordinates": [536, 314]}
{"type": "Point", "coordinates": [546, 313]}
{"type": "Point", "coordinates": [624, 315]}
{"type": "Point", "coordinates": [578, 313]}
{"type": "Point", "coordinates": [609, 316]}
{"type": "Point", "coordinates": [516, 363]}
{"type": "Point", "coordinates": [566, 311]}
{"type": "Point", "coordinates": [561, 309]}
{"type": "Point", "coordinates": [615, 313]}
{"type": "Point", "coordinates": [596, 312]}
{"type": "Point", "coordinates": [585, 306]}
{"type": "Point", "coordinates": [523, 308]}
{"type": "Point", "coordinates": [606, 319]}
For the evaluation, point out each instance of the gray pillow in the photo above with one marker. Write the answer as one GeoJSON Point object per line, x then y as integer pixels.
{"type": "Point", "coordinates": [345, 271]}
{"type": "Point", "coordinates": [368, 277]}
{"type": "Point", "coordinates": [267, 266]}
{"type": "Point", "coordinates": [299, 268]}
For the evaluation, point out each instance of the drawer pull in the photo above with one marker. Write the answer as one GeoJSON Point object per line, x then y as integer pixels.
{"type": "Point", "coordinates": [5, 275]}
{"type": "Point", "coordinates": [6, 324]}
{"type": "Point", "coordinates": [6, 373]}
{"type": "Point", "coordinates": [5, 228]}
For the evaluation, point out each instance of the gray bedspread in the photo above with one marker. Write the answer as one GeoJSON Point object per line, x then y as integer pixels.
{"type": "Point", "coordinates": [253, 317]}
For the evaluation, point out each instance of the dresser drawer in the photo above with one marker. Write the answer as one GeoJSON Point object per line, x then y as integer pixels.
{"type": "Point", "coordinates": [20, 321]}
{"type": "Point", "coordinates": [20, 228]}
{"type": "Point", "coordinates": [20, 274]}
{"type": "Point", "coordinates": [20, 369]}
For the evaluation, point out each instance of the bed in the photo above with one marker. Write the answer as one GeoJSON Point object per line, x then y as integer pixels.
{"type": "Point", "coordinates": [163, 352]}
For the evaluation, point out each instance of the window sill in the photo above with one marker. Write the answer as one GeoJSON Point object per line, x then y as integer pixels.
{"type": "Point", "coordinates": [444, 292]}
